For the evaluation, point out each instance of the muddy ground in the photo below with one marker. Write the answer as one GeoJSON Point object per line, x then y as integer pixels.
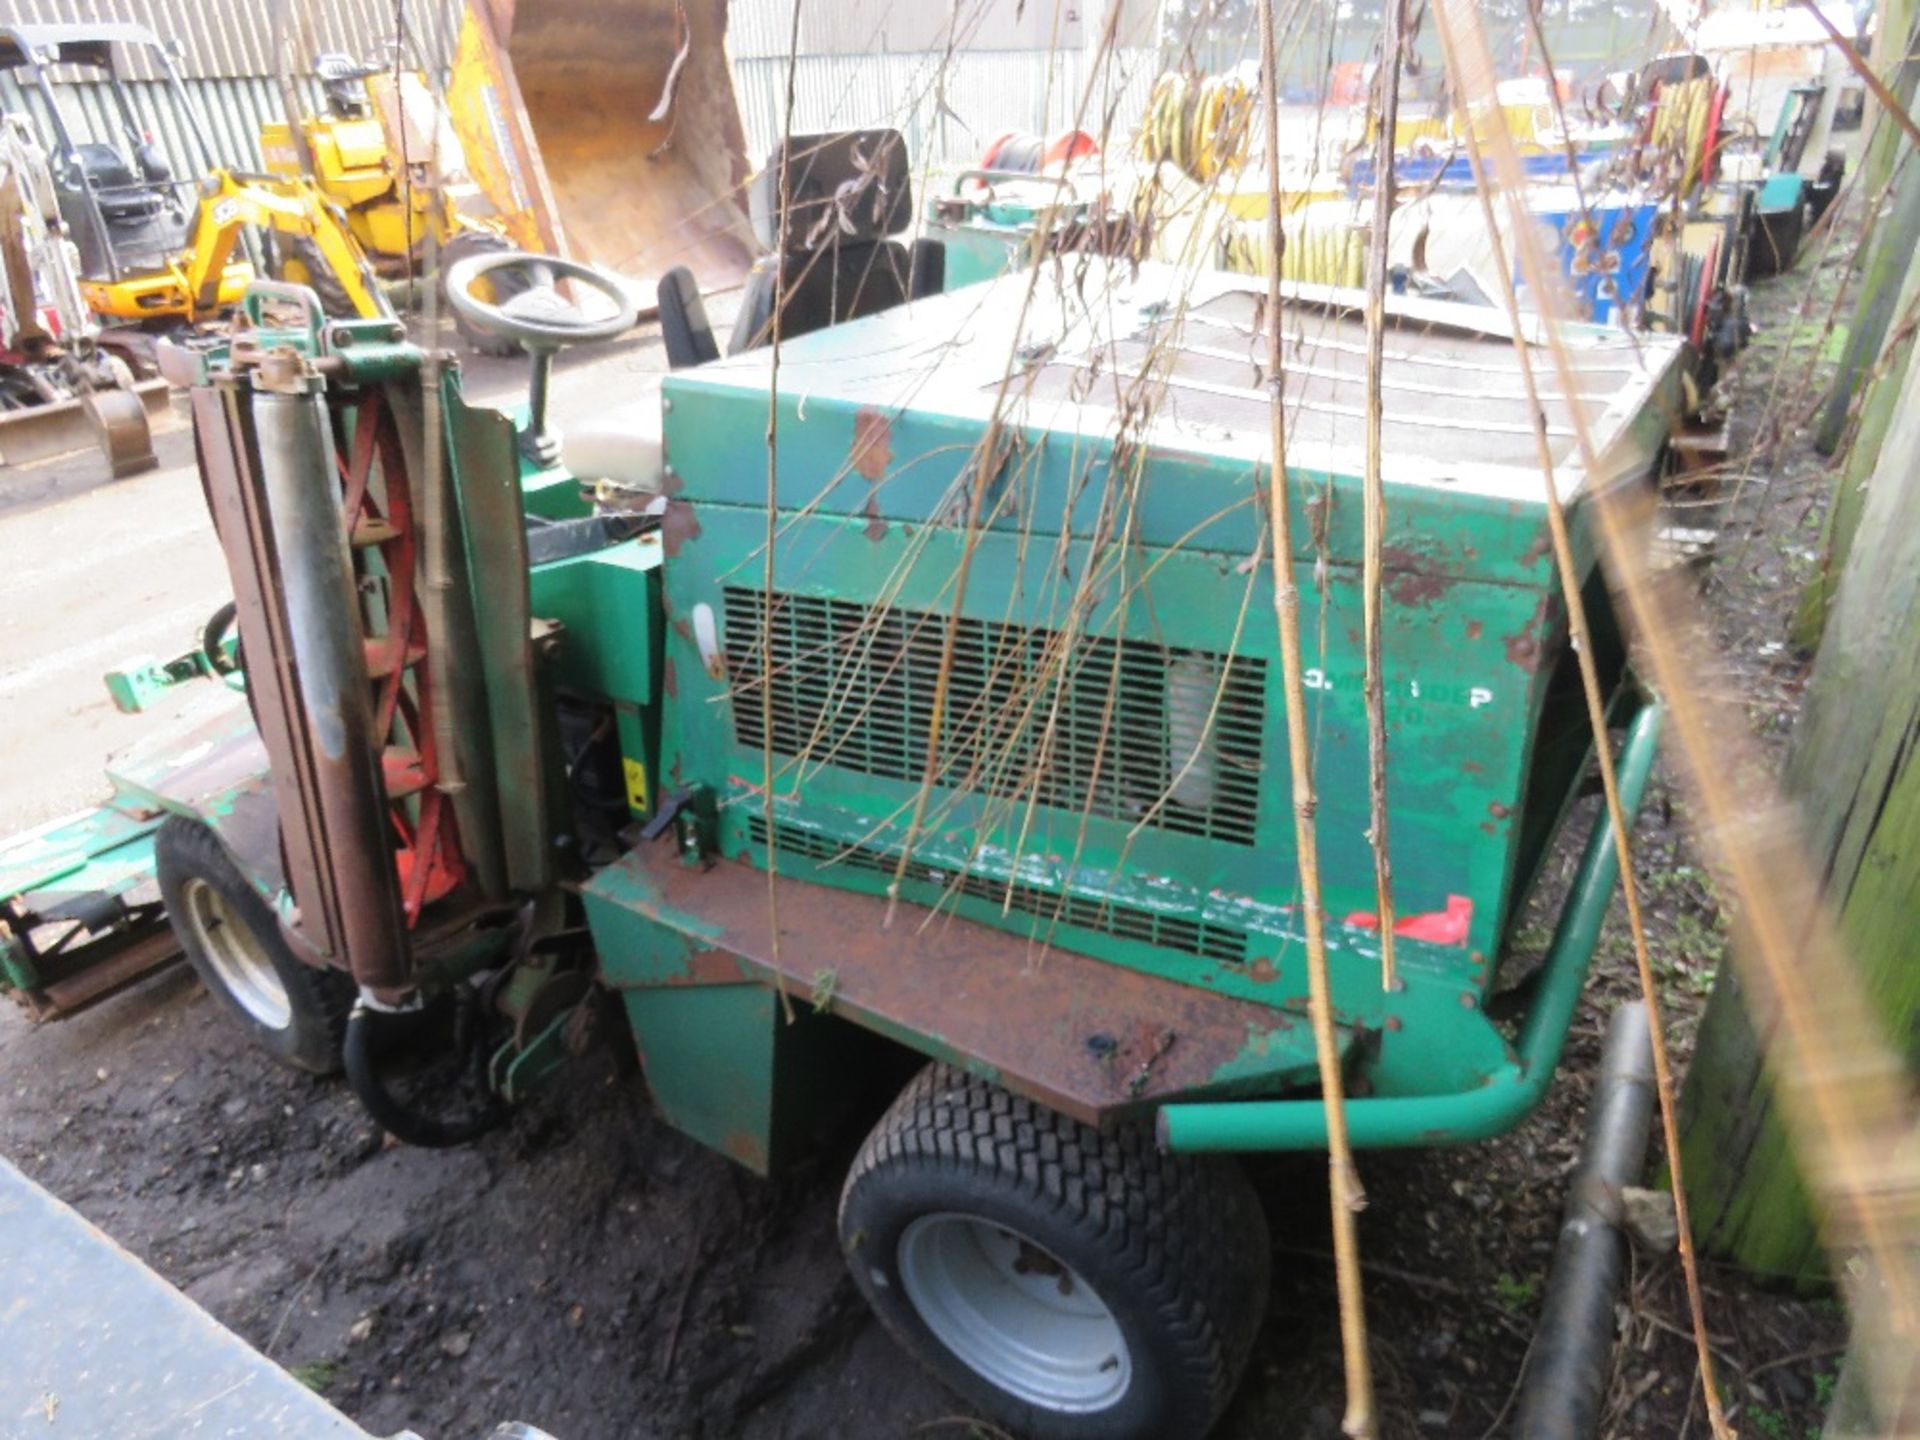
{"type": "Point", "coordinates": [592, 1272]}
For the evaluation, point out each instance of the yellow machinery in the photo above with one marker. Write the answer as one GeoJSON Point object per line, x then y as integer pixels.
{"type": "Point", "coordinates": [153, 246]}
{"type": "Point", "coordinates": [608, 130]}
{"type": "Point", "coordinates": [201, 280]}
{"type": "Point", "coordinates": [383, 152]}
{"type": "Point", "coordinates": [604, 130]}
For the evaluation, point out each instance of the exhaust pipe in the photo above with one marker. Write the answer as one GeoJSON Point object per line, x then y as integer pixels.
{"type": "Point", "coordinates": [1566, 1381]}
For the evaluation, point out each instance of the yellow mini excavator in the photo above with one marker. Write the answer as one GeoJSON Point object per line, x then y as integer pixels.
{"type": "Point", "coordinates": [154, 246]}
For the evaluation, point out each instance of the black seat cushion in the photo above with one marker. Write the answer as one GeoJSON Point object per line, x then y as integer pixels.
{"type": "Point", "coordinates": [823, 287]}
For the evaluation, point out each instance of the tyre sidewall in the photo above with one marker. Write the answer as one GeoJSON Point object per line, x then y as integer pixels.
{"type": "Point", "coordinates": [884, 1202]}
{"type": "Point", "coordinates": [185, 850]}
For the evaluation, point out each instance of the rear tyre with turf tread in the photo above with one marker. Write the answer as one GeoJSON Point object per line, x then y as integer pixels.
{"type": "Point", "coordinates": [296, 1012]}
{"type": "Point", "coordinates": [1173, 1249]}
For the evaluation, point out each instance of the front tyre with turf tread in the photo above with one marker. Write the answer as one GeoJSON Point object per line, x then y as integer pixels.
{"type": "Point", "coordinates": [295, 1011]}
{"type": "Point", "coordinates": [1174, 1248]}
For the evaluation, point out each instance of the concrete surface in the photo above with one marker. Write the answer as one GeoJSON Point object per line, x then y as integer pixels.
{"type": "Point", "coordinates": [95, 572]}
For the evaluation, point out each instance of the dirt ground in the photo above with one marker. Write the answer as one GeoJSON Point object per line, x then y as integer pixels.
{"type": "Point", "coordinates": [590, 1271]}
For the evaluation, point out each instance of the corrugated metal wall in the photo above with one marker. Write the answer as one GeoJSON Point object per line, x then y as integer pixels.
{"type": "Point", "coordinates": [847, 78]}
{"type": "Point", "coordinates": [227, 38]}
{"type": "Point", "coordinates": [948, 120]}
{"type": "Point", "coordinates": [226, 62]}
{"type": "Point", "coordinates": [228, 66]}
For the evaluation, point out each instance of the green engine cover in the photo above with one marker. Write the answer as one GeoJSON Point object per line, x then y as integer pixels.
{"type": "Point", "coordinates": [1057, 506]}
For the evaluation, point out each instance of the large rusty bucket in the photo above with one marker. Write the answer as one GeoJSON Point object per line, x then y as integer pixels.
{"type": "Point", "coordinates": [608, 130]}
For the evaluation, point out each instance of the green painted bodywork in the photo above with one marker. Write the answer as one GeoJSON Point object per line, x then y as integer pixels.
{"type": "Point", "coordinates": [989, 221]}
{"type": "Point", "coordinates": [1486, 733]}
{"type": "Point", "coordinates": [1505, 1096]}
{"type": "Point", "coordinates": [1140, 558]}
{"type": "Point", "coordinates": [106, 852]}
{"type": "Point", "coordinates": [608, 605]}
{"type": "Point", "coordinates": [138, 683]}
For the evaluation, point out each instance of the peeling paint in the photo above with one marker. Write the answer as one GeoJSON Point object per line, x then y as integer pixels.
{"type": "Point", "coordinates": [872, 450]}
{"type": "Point", "coordinates": [678, 526]}
{"type": "Point", "coordinates": [1411, 578]}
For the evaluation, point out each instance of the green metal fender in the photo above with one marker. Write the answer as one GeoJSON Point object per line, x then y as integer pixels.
{"type": "Point", "coordinates": [1510, 1092]}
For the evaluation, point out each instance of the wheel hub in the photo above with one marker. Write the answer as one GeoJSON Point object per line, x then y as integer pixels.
{"type": "Point", "coordinates": [236, 955]}
{"type": "Point", "coordinates": [1014, 1313]}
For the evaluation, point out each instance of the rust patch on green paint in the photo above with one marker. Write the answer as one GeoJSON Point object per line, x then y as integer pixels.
{"type": "Point", "coordinates": [1498, 811]}
{"type": "Point", "coordinates": [1262, 970]}
{"type": "Point", "coordinates": [872, 448]}
{"type": "Point", "coordinates": [876, 528]}
{"type": "Point", "coordinates": [669, 678]}
{"type": "Point", "coordinates": [1411, 577]}
{"type": "Point", "coordinates": [678, 526]}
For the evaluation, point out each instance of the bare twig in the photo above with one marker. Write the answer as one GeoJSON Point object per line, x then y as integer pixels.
{"type": "Point", "coordinates": [1344, 1180]}
{"type": "Point", "coordinates": [1457, 32]}
{"type": "Point", "coordinates": [1842, 1092]}
{"type": "Point", "coordinates": [773, 508]}
{"type": "Point", "coordinates": [1373, 491]}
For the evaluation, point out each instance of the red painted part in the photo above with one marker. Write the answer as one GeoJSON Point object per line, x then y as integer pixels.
{"type": "Point", "coordinates": [1068, 146]}
{"type": "Point", "coordinates": [1697, 331]}
{"type": "Point", "coordinates": [427, 856]}
{"type": "Point", "coordinates": [1019, 150]}
{"type": "Point", "coordinates": [1347, 83]}
{"type": "Point", "coordinates": [1438, 927]}
{"type": "Point", "coordinates": [1710, 142]}
{"type": "Point", "coordinates": [994, 147]}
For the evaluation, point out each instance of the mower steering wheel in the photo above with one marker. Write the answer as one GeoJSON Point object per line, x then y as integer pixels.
{"type": "Point", "coordinates": [539, 317]}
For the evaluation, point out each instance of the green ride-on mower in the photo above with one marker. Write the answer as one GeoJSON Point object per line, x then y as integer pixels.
{"type": "Point", "coordinates": [922, 707]}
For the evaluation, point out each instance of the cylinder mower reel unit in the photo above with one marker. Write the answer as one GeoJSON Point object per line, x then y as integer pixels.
{"type": "Point", "coordinates": [542, 320]}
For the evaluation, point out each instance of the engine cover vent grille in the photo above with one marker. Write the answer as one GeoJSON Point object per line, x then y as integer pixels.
{"type": "Point", "coordinates": [1127, 730]}
{"type": "Point", "coordinates": [1169, 932]}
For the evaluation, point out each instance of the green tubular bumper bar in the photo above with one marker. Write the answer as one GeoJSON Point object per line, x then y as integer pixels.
{"type": "Point", "coordinates": [1510, 1092]}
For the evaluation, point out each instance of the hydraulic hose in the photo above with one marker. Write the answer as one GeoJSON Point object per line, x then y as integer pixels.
{"type": "Point", "coordinates": [1565, 1388]}
{"type": "Point", "coordinates": [409, 1126]}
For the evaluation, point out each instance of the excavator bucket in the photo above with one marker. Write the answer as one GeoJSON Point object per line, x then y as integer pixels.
{"type": "Point", "coordinates": [608, 130]}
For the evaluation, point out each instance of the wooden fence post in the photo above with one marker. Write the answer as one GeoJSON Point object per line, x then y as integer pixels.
{"type": "Point", "coordinates": [1855, 769]}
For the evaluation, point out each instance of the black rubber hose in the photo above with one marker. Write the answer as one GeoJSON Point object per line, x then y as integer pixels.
{"type": "Point", "coordinates": [1565, 1387]}
{"type": "Point", "coordinates": [213, 637]}
{"type": "Point", "coordinates": [409, 1126]}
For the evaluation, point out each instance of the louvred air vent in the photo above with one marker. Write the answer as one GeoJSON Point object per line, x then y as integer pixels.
{"type": "Point", "coordinates": [1128, 730]}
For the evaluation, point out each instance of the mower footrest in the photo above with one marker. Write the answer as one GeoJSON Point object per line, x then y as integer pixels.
{"type": "Point", "coordinates": [1093, 1039]}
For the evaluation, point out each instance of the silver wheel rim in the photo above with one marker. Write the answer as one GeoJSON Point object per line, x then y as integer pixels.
{"type": "Point", "coordinates": [1014, 1314]}
{"type": "Point", "coordinates": [236, 955]}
